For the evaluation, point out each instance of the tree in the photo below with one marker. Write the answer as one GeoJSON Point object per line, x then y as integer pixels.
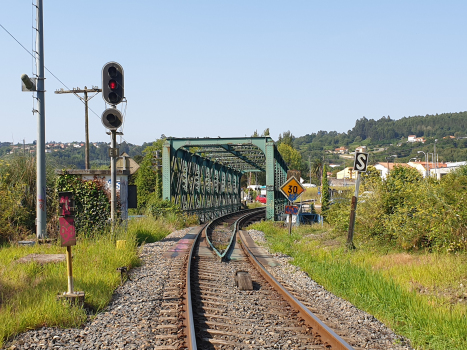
{"type": "Point", "coordinates": [371, 179]}
{"type": "Point", "coordinates": [317, 168]}
{"type": "Point", "coordinates": [325, 195]}
{"type": "Point", "coordinates": [148, 179]}
{"type": "Point", "coordinates": [286, 138]}
{"type": "Point", "coordinates": [291, 156]}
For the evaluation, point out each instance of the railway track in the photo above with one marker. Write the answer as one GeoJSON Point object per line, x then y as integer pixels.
{"type": "Point", "coordinates": [224, 297]}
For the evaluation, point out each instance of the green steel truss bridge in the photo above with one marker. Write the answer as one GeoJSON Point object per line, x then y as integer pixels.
{"type": "Point", "coordinates": [202, 175]}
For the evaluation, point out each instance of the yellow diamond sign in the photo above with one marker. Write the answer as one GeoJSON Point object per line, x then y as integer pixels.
{"type": "Point", "coordinates": [292, 189]}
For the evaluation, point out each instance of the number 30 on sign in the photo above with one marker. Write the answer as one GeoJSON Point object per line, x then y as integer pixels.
{"type": "Point", "coordinates": [292, 189]}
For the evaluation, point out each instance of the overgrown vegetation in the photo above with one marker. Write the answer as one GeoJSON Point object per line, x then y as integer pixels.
{"type": "Point", "coordinates": [28, 290]}
{"type": "Point", "coordinates": [92, 202]}
{"type": "Point", "coordinates": [412, 294]}
{"type": "Point", "coordinates": [149, 179]}
{"type": "Point", "coordinates": [23, 307]}
{"type": "Point", "coordinates": [18, 193]}
{"type": "Point", "coordinates": [409, 212]}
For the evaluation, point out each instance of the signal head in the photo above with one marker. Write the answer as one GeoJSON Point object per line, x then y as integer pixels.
{"type": "Point", "coordinates": [112, 118]}
{"type": "Point", "coordinates": [112, 83]}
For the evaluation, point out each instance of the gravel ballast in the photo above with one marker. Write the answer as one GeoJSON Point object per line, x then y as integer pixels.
{"type": "Point", "coordinates": [372, 334]}
{"type": "Point", "coordinates": [131, 319]}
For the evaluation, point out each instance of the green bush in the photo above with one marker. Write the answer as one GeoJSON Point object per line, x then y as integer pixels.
{"type": "Point", "coordinates": [92, 202]}
{"type": "Point", "coordinates": [411, 212]}
{"type": "Point", "coordinates": [18, 193]}
{"type": "Point", "coordinates": [148, 178]}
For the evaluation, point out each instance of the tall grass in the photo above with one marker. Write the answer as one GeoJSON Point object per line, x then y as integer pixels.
{"type": "Point", "coordinates": [152, 229]}
{"type": "Point", "coordinates": [370, 280]}
{"type": "Point", "coordinates": [28, 291]}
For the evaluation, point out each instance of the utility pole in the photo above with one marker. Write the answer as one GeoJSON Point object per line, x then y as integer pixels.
{"type": "Point", "coordinates": [309, 164]}
{"type": "Point", "coordinates": [41, 212]}
{"type": "Point", "coordinates": [37, 85]}
{"type": "Point", "coordinates": [77, 91]}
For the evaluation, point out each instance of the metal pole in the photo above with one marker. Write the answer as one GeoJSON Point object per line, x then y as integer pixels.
{"type": "Point", "coordinates": [86, 130]}
{"type": "Point", "coordinates": [290, 222]}
{"type": "Point", "coordinates": [113, 177]}
{"type": "Point", "coordinates": [41, 213]}
{"type": "Point", "coordinates": [433, 161]}
{"type": "Point", "coordinates": [309, 163]}
{"type": "Point", "coordinates": [353, 213]}
{"type": "Point", "coordinates": [69, 269]}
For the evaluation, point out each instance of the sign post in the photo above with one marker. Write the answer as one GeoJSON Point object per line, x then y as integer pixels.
{"type": "Point", "coordinates": [68, 239]}
{"type": "Point", "coordinates": [67, 231]}
{"type": "Point", "coordinates": [360, 165]}
{"type": "Point", "coordinates": [292, 189]}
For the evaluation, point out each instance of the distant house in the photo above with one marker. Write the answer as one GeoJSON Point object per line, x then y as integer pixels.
{"type": "Point", "coordinates": [414, 138]}
{"type": "Point", "coordinates": [424, 168]}
{"type": "Point", "coordinates": [347, 173]}
{"type": "Point", "coordinates": [341, 150]}
{"type": "Point", "coordinates": [361, 149]}
{"type": "Point", "coordinates": [334, 165]}
{"type": "Point", "coordinates": [384, 168]}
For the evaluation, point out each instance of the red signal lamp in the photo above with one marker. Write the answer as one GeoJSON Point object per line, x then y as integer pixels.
{"type": "Point", "coordinates": [113, 84]}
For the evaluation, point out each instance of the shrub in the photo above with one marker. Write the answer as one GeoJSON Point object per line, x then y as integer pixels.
{"type": "Point", "coordinates": [92, 202]}
{"type": "Point", "coordinates": [411, 212]}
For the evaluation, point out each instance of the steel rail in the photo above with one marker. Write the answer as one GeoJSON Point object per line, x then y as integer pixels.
{"type": "Point", "coordinates": [329, 337]}
{"type": "Point", "coordinates": [248, 212]}
{"type": "Point", "coordinates": [189, 320]}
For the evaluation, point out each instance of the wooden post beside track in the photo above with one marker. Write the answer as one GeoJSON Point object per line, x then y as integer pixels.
{"type": "Point", "coordinates": [360, 165]}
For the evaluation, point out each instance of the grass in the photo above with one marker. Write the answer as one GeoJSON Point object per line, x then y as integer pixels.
{"type": "Point", "coordinates": [421, 295]}
{"type": "Point", "coordinates": [255, 205]}
{"type": "Point", "coordinates": [149, 229]}
{"type": "Point", "coordinates": [28, 291]}
{"type": "Point", "coordinates": [310, 193]}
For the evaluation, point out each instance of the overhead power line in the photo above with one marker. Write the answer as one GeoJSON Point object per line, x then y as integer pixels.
{"type": "Point", "coordinates": [48, 70]}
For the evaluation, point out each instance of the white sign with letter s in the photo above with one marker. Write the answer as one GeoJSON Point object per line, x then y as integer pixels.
{"type": "Point", "coordinates": [361, 161]}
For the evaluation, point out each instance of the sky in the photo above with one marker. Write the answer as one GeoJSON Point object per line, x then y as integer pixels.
{"type": "Point", "coordinates": [205, 68]}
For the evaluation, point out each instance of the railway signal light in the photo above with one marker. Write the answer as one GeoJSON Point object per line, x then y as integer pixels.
{"type": "Point", "coordinates": [112, 118]}
{"type": "Point", "coordinates": [112, 83]}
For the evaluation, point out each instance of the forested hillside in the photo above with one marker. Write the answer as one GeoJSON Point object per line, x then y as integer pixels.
{"type": "Point", "coordinates": [385, 131]}
{"type": "Point", "coordinates": [387, 136]}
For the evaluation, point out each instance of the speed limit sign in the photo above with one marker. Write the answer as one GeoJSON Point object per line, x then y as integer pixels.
{"type": "Point", "coordinates": [292, 189]}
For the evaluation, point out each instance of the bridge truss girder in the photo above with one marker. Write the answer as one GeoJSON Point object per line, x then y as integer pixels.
{"type": "Point", "coordinates": [203, 175]}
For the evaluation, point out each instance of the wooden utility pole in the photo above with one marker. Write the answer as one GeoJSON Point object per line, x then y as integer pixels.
{"type": "Point", "coordinates": [77, 91]}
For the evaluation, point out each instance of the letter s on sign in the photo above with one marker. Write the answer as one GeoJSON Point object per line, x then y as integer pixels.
{"type": "Point", "coordinates": [361, 162]}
